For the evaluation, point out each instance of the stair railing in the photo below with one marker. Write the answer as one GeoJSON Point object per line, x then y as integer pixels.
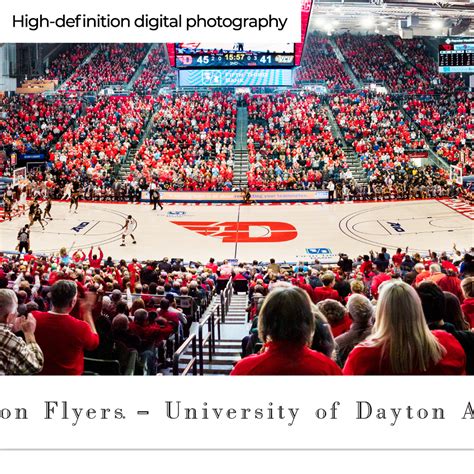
{"type": "Point", "coordinates": [192, 364]}
{"type": "Point", "coordinates": [213, 323]}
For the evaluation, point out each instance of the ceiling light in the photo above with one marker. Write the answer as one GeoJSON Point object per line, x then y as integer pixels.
{"type": "Point", "coordinates": [320, 21]}
{"type": "Point", "coordinates": [437, 24]}
{"type": "Point", "coordinates": [368, 21]}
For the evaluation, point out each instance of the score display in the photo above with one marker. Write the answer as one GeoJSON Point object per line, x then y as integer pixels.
{"type": "Point", "coordinates": [239, 55]}
{"type": "Point", "coordinates": [235, 77]}
{"type": "Point", "coordinates": [456, 57]}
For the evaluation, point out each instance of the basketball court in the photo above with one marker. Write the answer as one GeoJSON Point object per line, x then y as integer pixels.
{"type": "Point", "coordinates": [285, 232]}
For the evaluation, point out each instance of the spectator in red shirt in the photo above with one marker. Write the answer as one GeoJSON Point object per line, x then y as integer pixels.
{"type": "Point", "coordinates": [398, 257]}
{"type": "Point", "coordinates": [286, 325]}
{"type": "Point", "coordinates": [95, 262]}
{"type": "Point", "coordinates": [212, 266]}
{"type": "Point", "coordinates": [452, 284]}
{"type": "Point", "coordinates": [402, 343]}
{"type": "Point", "coordinates": [326, 292]}
{"type": "Point", "coordinates": [63, 338]}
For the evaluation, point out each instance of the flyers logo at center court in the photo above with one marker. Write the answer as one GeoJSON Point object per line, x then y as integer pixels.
{"type": "Point", "coordinates": [243, 232]}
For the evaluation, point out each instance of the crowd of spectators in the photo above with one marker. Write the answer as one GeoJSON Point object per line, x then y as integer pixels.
{"type": "Point", "coordinates": [102, 308]}
{"type": "Point", "coordinates": [68, 60]}
{"type": "Point", "coordinates": [415, 51]}
{"type": "Point", "coordinates": [290, 143]}
{"type": "Point", "coordinates": [113, 64]}
{"type": "Point", "coordinates": [112, 308]}
{"type": "Point", "coordinates": [93, 150]}
{"type": "Point", "coordinates": [448, 122]}
{"type": "Point", "coordinates": [30, 124]}
{"type": "Point", "coordinates": [360, 316]}
{"type": "Point", "coordinates": [320, 64]}
{"type": "Point", "coordinates": [156, 72]}
{"type": "Point", "coordinates": [373, 61]}
{"type": "Point", "coordinates": [377, 129]}
{"type": "Point", "coordinates": [190, 146]}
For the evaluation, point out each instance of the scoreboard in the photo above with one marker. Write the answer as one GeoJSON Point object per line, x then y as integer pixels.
{"type": "Point", "coordinates": [235, 77]}
{"type": "Point", "coordinates": [234, 60]}
{"type": "Point", "coordinates": [240, 55]}
{"type": "Point", "coordinates": [456, 57]}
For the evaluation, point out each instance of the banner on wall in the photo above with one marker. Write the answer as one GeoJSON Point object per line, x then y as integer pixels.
{"type": "Point", "coordinates": [236, 197]}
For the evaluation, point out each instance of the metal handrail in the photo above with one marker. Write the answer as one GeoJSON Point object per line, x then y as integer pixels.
{"type": "Point", "coordinates": [192, 364]}
{"type": "Point", "coordinates": [226, 297]}
{"type": "Point", "coordinates": [212, 320]}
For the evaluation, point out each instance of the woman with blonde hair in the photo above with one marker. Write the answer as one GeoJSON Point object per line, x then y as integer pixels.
{"type": "Point", "coordinates": [401, 342]}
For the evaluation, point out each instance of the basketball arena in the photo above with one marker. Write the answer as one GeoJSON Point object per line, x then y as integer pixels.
{"type": "Point", "coordinates": [202, 208]}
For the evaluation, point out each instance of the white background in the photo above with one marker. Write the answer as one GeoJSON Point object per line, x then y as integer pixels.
{"type": "Point", "coordinates": [190, 8]}
{"type": "Point", "coordinates": [307, 393]}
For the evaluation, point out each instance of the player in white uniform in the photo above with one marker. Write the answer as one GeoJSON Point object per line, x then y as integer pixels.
{"type": "Point", "coordinates": [127, 230]}
{"type": "Point", "coordinates": [22, 201]}
{"type": "Point", "coordinates": [67, 191]}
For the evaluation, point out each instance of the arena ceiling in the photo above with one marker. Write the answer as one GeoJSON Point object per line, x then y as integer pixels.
{"type": "Point", "coordinates": [403, 17]}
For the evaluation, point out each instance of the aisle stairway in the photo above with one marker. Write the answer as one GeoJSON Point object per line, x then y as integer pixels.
{"type": "Point", "coordinates": [228, 348]}
{"type": "Point", "coordinates": [241, 160]}
{"type": "Point", "coordinates": [347, 68]}
{"type": "Point", "coordinates": [353, 161]}
{"type": "Point", "coordinates": [401, 57]}
{"type": "Point", "coordinates": [355, 166]}
{"type": "Point", "coordinates": [124, 169]}
{"type": "Point", "coordinates": [85, 61]}
{"type": "Point", "coordinates": [140, 68]}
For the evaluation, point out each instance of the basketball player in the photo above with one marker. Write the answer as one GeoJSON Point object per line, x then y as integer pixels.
{"type": "Point", "coordinates": [32, 211]}
{"type": "Point", "coordinates": [7, 207]}
{"type": "Point", "coordinates": [247, 197]}
{"type": "Point", "coordinates": [67, 191]}
{"type": "Point", "coordinates": [37, 217]}
{"type": "Point", "coordinates": [22, 200]}
{"type": "Point", "coordinates": [75, 193]}
{"type": "Point", "coordinates": [47, 209]}
{"type": "Point", "coordinates": [127, 230]}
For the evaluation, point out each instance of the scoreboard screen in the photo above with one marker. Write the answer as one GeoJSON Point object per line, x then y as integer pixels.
{"type": "Point", "coordinates": [456, 57]}
{"type": "Point", "coordinates": [235, 77]}
{"type": "Point", "coordinates": [234, 55]}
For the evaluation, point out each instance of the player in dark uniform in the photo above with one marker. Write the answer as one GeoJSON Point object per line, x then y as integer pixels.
{"type": "Point", "coordinates": [247, 197]}
{"type": "Point", "coordinates": [7, 207]}
{"type": "Point", "coordinates": [75, 196]}
{"type": "Point", "coordinates": [47, 209]}
{"type": "Point", "coordinates": [37, 217]}
{"type": "Point", "coordinates": [32, 211]}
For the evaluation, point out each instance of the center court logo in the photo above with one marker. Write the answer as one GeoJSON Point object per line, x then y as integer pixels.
{"type": "Point", "coordinates": [243, 232]}
{"type": "Point", "coordinates": [80, 227]}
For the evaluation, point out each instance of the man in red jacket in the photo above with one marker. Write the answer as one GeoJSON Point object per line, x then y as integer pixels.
{"type": "Point", "coordinates": [326, 292]}
{"type": "Point", "coordinates": [63, 338]}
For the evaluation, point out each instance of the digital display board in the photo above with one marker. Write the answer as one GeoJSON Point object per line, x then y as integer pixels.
{"type": "Point", "coordinates": [456, 57]}
{"type": "Point", "coordinates": [235, 77]}
{"type": "Point", "coordinates": [234, 55]}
